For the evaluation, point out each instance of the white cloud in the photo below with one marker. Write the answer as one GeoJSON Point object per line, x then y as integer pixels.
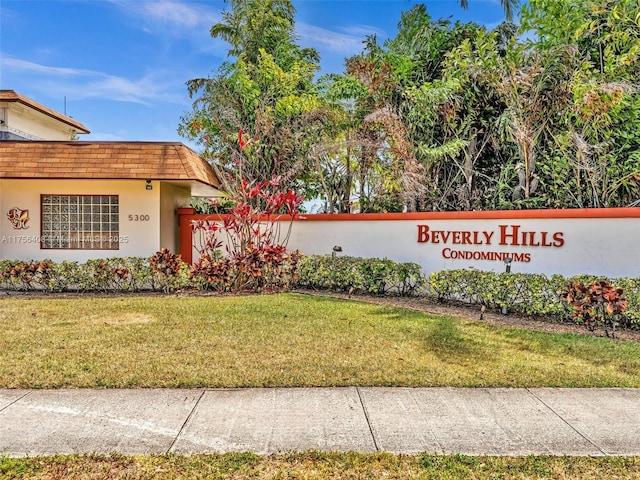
{"type": "Point", "coordinates": [318, 37]}
{"type": "Point", "coordinates": [25, 65]}
{"type": "Point", "coordinates": [157, 86]}
{"type": "Point", "coordinates": [176, 17]}
{"type": "Point", "coordinates": [147, 89]}
{"type": "Point", "coordinates": [181, 14]}
{"type": "Point", "coordinates": [363, 30]}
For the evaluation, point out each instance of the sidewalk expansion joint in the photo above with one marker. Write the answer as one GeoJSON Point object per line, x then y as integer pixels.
{"type": "Point", "coordinates": [193, 410]}
{"type": "Point", "coordinates": [366, 416]}
{"type": "Point", "coordinates": [566, 422]}
{"type": "Point", "coordinates": [14, 402]}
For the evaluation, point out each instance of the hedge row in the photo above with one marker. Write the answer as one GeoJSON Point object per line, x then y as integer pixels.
{"type": "Point", "coordinates": [521, 293]}
{"type": "Point", "coordinates": [525, 293]}
{"type": "Point", "coordinates": [165, 271]}
{"type": "Point", "coordinates": [127, 274]}
{"type": "Point", "coordinates": [268, 270]}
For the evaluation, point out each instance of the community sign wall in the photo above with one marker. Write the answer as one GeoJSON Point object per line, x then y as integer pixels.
{"type": "Point", "coordinates": [568, 242]}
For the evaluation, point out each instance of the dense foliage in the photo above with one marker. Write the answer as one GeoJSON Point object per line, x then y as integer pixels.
{"type": "Point", "coordinates": [540, 113]}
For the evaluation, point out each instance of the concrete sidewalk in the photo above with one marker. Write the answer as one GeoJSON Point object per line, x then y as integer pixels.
{"type": "Point", "coordinates": [477, 421]}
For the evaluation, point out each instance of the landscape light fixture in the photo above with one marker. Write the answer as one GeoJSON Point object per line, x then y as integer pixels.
{"type": "Point", "coordinates": [507, 264]}
{"type": "Point", "coordinates": [336, 249]}
{"type": "Point", "coordinates": [148, 186]}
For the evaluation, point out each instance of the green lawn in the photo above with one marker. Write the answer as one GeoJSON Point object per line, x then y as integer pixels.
{"type": "Point", "coordinates": [285, 340]}
{"type": "Point", "coordinates": [317, 465]}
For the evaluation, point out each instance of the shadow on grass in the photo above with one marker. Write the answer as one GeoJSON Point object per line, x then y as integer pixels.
{"type": "Point", "coordinates": [441, 335]}
{"type": "Point", "coordinates": [598, 351]}
{"type": "Point", "coordinates": [447, 341]}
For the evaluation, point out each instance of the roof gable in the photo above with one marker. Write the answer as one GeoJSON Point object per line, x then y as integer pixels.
{"type": "Point", "coordinates": [13, 96]}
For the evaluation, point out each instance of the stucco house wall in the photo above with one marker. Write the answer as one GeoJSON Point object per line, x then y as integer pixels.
{"type": "Point", "coordinates": [148, 182]}
{"type": "Point", "coordinates": [136, 237]}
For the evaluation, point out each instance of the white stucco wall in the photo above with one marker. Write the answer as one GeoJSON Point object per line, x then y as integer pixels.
{"type": "Point", "coordinates": [567, 246]}
{"type": "Point", "coordinates": [139, 219]}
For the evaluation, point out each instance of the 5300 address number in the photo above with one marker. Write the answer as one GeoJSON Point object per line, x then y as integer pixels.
{"type": "Point", "coordinates": [138, 218]}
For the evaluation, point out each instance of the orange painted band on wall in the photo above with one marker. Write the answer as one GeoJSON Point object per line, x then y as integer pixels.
{"type": "Point", "coordinates": [629, 212]}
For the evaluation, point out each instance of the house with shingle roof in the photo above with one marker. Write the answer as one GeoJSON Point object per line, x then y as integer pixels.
{"type": "Point", "coordinates": [76, 200]}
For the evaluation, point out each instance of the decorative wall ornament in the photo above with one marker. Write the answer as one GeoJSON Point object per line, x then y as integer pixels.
{"type": "Point", "coordinates": [18, 218]}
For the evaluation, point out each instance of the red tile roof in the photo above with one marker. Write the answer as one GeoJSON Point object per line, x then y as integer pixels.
{"type": "Point", "coordinates": [13, 96]}
{"type": "Point", "coordinates": [103, 160]}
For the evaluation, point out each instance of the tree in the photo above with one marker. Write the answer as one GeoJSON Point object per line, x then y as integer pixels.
{"type": "Point", "coordinates": [534, 88]}
{"type": "Point", "coordinates": [368, 164]}
{"type": "Point", "coordinates": [598, 146]}
{"type": "Point", "coordinates": [452, 119]}
{"type": "Point", "coordinates": [387, 148]}
{"type": "Point", "coordinates": [267, 93]}
{"type": "Point", "coordinates": [336, 156]}
{"type": "Point", "coordinates": [252, 25]}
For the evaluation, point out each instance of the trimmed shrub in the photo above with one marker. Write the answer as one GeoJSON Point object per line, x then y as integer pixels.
{"type": "Point", "coordinates": [168, 272]}
{"type": "Point", "coordinates": [599, 304]}
{"type": "Point", "coordinates": [26, 274]}
{"type": "Point", "coordinates": [361, 275]}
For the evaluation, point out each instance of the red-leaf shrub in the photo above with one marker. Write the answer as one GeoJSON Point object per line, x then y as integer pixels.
{"type": "Point", "coordinates": [251, 237]}
{"type": "Point", "coordinates": [596, 305]}
{"type": "Point", "coordinates": [168, 271]}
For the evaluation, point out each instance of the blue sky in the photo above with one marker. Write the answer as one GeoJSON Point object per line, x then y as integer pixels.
{"type": "Point", "coordinates": [122, 64]}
